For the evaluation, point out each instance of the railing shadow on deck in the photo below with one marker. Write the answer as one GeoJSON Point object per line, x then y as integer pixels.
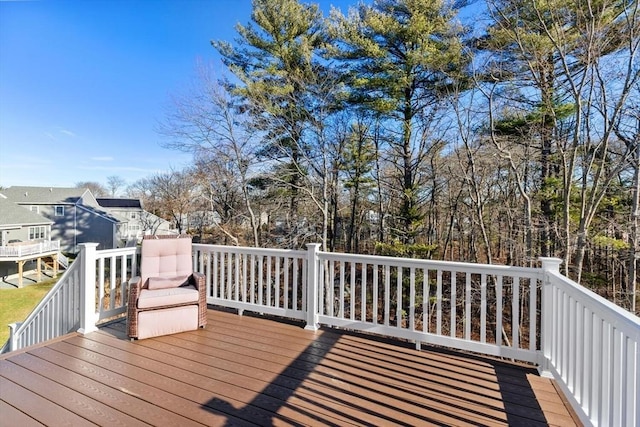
{"type": "Point", "coordinates": [385, 394]}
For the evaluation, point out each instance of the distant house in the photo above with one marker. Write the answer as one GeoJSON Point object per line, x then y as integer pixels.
{"type": "Point", "coordinates": [139, 221]}
{"type": "Point", "coordinates": [25, 240]}
{"type": "Point", "coordinates": [199, 220]}
{"type": "Point", "coordinates": [18, 224]}
{"type": "Point", "coordinates": [76, 215]}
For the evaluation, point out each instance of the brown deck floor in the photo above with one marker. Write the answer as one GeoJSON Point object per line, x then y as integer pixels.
{"type": "Point", "coordinates": [244, 370]}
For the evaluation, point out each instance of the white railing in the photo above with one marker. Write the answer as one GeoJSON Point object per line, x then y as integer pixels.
{"type": "Point", "coordinates": [592, 349]}
{"type": "Point", "coordinates": [113, 269]}
{"type": "Point", "coordinates": [269, 281]}
{"type": "Point", "coordinates": [65, 308]}
{"type": "Point", "coordinates": [63, 261]}
{"type": "Point", "coordinates": [57, 314]}
{"type": "Point", "coordinates": [484, 308]}
{"type": "Point", "coordinates": [23, 250]}
{"type": "Point", "coordinates": [589, 345]}
{"type": "Point", "coordinates": [529, 314]}
{"type": "Point", "coordinates": [488, 309]}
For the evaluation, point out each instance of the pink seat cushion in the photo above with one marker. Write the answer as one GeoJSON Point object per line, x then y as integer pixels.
{"type": "Point", "coordinates": [169, 296]}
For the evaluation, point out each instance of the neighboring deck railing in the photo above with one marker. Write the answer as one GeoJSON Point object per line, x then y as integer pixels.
{"type": "Point", "coordinates": [23, 249]}
{"type": "Point", "coordinates": [589, 345]}
{"type": "Point", "coordinates": [63, 261]}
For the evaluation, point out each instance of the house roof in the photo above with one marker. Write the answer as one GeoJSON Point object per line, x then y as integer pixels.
{"type": "Point", "coordinates": [44, 195]}
{"type": "Point", "coordinates": [13, 215]}
{"type": "Point", "coordinates": [104, 214]}
{"type": "Point", "coordinates": [119, 203]}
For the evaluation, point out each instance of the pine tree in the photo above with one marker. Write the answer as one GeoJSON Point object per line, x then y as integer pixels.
{"type": "Point", "coordinates": [276, 60]}
{"type": "Point", "coordinates": [400, 56]}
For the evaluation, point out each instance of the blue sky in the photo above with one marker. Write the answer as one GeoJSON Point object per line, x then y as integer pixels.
{"type": "Point", "coordinates": [83, 84]}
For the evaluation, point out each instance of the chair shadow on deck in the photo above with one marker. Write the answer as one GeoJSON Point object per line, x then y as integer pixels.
{"type": "Point", "coordinates": [352, 378]}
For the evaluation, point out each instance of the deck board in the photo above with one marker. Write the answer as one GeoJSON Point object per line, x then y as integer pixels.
{"type": "Point", "coordinates": [247, 370]}
{"type": "Point", "coordinates": [13, 416]}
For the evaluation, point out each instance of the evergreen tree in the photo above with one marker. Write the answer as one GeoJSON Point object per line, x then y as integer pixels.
{"type": "Point", "coordinates": [400, 56]}
{"type": "Point", "coordinates": [276, 60]}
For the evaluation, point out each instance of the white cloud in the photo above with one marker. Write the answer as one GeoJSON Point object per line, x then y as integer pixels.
{"type": "Point", "coordinates": [53, 135]}
{"type": "Point", "coordinates": [115, 168]}
{"type": "Point", "coordinates": [103, 159]}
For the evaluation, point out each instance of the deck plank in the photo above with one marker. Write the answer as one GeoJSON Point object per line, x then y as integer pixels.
{"type": "Point", "coordinates": [165, 370]}
{"type": "Point", "coordinates": [248, 370]}
{"type": "Point", "coordinates": [370, 368]}
{"type": "Point", "coordinates": [367, 381]}
{"type": "Point", "coordinates": [30, 402]}
{"type": "Point", "coordinates": [15, 417]}
{"type": "Point", "coordinates": [147, 400]}
{"type": "Point", "coordinates": [51, 376]}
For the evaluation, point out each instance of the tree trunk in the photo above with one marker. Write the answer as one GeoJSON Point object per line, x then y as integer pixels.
{"type": "Point", "coordinates": [634, 239]}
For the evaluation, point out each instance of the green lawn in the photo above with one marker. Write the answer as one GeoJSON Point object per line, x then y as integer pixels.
{"type": "Point", "coordinates": [16, 304]}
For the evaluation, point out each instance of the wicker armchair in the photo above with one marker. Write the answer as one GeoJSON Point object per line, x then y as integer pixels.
{"type": "Point", "coordinates": [168, 297]}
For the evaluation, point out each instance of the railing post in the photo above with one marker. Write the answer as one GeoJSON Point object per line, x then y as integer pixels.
{"type": "Point", "coordinates": [312, 286]}
{"type": "Point", "coordinates": [13, 337]}
{"type": "Point", "coordinates": [549, 265]}
{"type": "Point", "coordinates": [88, 298]}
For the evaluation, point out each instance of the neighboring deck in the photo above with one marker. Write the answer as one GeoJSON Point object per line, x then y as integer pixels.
{"type": "Point", "coordinates": [244, 370]}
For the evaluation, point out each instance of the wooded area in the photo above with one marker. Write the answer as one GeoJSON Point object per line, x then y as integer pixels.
{"type": "Point", "coordinates": [395, 129]}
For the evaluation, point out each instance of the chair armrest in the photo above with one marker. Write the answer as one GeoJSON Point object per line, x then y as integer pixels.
{"type": "Point", "coordinates": [135, 284]}
{"type": "Point", "coordinates": [197, 279]}
{"type": "Point", "coordinates": [199, 282]}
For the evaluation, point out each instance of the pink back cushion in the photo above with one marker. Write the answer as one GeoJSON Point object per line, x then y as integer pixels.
{"type": "Point", "coordinates": [168, 257]}
{"type": "Point", "coordinates": [167, 282]}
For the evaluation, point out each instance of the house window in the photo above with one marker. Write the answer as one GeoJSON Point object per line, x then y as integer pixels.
{"type": "Point", "coordinates": [35, 209]}
{"type": "Point", "coordinates": [36, 233]}
{"type": "Point", "coordinates": [133, 215]}
{"type": "Point", "coordinates": [59, 211]}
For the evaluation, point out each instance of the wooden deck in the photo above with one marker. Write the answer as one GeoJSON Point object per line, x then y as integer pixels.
{"type": "Point", "coordinates": [244, 370]}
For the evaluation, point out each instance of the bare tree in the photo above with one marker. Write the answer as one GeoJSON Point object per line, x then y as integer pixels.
{"type": "Point", "coordinates": [114, 184]}
{"type": "Point", "coordinates": [151, 218]}
{"type": "Point", "coordinates": [176, 193]}
{"type": "Point", "coordinates": [206, 122]}
{"type": "Point", "coordinates": [97, 189]}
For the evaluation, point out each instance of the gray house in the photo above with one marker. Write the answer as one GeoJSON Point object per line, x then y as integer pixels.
{"type": "Point", "coordinates": [139, 221]}
{"type": "Point", "coordinates": [25, 241]}
{"type": "Point", "coordinates": [76, 215]}
{"type": "Point", "coordinates": [18, 224]}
